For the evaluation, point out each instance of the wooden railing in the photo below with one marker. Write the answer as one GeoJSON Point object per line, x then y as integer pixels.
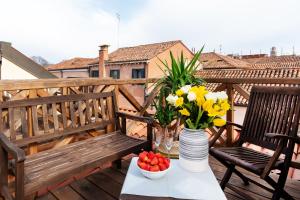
{"type": "Point", "coordinates": [20, 89]}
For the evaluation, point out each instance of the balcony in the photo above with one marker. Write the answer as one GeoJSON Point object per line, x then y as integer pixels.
{"type": "Point", "coordinates": [105, 180]}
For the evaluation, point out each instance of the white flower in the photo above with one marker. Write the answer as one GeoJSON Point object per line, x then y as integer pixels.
{"type": "Point", "coordinates": [222, 95]}
{"type": "Point", "coordinates": [191, 96]}
{"type": "Point", "coordinates": [216, 95]}
{"type": "Point", "coordinates": [211, 96]}
{"type": "Point", "coordinates": [186, 89]}
{"type": "Point", "coordinates": [172, 99]}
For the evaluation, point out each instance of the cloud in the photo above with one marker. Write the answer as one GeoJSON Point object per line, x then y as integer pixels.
{"type": "Point", "coordinates": [236, 25]}
{"type": "Point", "coordinates": [57, 29]}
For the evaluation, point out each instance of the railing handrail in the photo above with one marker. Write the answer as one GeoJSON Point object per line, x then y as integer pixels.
{"type": "Point", "coordinates": [9, 85]}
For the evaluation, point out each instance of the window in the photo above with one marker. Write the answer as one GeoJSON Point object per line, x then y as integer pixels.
{"type": "Point", "coordinates": [95, 73]}
{"type": "Point", "coordinates": [138, 73]}
{"type": "Point", "coordinates": [114, 73]}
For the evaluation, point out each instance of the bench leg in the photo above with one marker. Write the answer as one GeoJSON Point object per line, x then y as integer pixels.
{"type": "Point", "coordinates": [118, 163]}
{"type": "Point", "coordinates": [19, 184]}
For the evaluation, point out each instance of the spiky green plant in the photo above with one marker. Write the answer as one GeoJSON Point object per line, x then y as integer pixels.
{"type": "Point", "coordinates": [181, 72]}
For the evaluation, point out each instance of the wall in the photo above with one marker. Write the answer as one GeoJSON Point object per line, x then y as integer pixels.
{"type": "Point", "coordinates": [11, 71]}
{"type": "Point", "coordinates": [154, 71]}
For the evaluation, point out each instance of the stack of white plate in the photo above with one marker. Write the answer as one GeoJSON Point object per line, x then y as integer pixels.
{"type": "Point", "coordinates": [193, 150]}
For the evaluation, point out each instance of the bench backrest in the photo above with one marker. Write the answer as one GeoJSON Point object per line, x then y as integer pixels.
{"type": "Point", "coordinates": [271, 110]}
{"type": "Point", "coordinates": [41, 119]}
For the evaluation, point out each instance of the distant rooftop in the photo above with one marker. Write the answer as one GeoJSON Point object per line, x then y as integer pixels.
{"type": "Point", "coordinates": [140, 53]}
{"type": "Point", "coordinates": [212, 60]}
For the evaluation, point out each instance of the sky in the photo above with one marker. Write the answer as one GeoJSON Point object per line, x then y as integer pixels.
{"type": "Point", "coordinates": [63, 29]}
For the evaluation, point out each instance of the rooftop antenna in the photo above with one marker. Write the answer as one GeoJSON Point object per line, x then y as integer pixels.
{"type": "Point", "coordinates": [220, 48]}
{"type": "Point", "coordinates": [294, 51]}
{"type": "Point", "coordinates": [281, 51]}
{"type": "Point", "coordinates": [118, 28]}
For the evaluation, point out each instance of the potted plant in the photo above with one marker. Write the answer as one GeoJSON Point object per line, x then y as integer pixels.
{"type": "Point", "coordinates": [178, 73]}
{"type": "Point", "coordinates": [199, 110]}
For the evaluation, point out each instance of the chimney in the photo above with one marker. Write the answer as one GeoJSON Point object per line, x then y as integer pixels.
{"type": "Point", "coordinates": [103, 56]}
{"type": "Point", "coordinates": [273, 52]}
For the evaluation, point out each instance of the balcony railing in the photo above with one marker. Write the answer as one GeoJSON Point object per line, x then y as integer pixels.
{"type": "Point", "coordinates": [21, 89]}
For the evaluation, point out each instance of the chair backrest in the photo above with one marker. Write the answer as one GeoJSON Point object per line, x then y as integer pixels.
{"type": "Point", "coordinates": [271, 110]}
{"type": "Point", "coordinates": [45, 117]}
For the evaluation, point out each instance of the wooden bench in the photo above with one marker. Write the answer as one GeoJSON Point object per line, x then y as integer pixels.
{"type": "Point", "coordinates": [47, 120]}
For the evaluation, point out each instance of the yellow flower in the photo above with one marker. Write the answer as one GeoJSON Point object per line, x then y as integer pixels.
{"type": "Point", "coordinates": [225, 105]}
{"type": "Point", "coordinates": [212, 112]}
{"type": "Point", "coordinates": [184, 112]}
{"type": "Point", "coordinates": [208, 104]}
{"type": "Point", "coordinates": [179, 92]}
{"type": "Point", "coordinates": [179, 102]}
{"type": "Point", "coordinates": [219, 122]}
{"type": "Point", "coordinates": [200, 100]}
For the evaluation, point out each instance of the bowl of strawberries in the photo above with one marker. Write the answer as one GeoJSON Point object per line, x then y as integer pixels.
{"type": "Point", "coordinates": [153, 165]}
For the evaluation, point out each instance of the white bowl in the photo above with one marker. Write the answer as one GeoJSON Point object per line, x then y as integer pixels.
{"type": "Point", "coordinates": [154, 175]}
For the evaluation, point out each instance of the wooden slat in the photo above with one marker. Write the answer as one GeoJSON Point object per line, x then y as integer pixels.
{"type": "Point", "coordinates": [64, 114]}
{"type": "Point", "coordinates": [35, 120]}
{"type": "Point", "coordinates": [24, 125]}
{"type": "Point", "coordinates": [66, 132]}
{"type": "Point", "coordinates": [45, 118]}
{"type": "Point", "coordinates": [55, 117]}
{"type": "Point", "coordinates": [1, 120]}
{"type": "Point", "coordinates": [96, 109]}
{"type": "Point", "coordinates": [103, 109]}
{"type": "Point", "coordinates": [12, 124]}
{"type": "Point", "coordinates": [88, 111]}
{"type": "Point", "coordinates": [81, 114]}
{"type": "Point", "coordinates": [73, 117]}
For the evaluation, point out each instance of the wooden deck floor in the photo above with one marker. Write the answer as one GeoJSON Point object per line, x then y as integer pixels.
{"type": "Point", "coordinates": [107, 184]}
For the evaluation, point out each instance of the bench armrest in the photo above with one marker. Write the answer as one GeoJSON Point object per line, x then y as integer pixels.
{"type": "Point", "coordinates": [283, 137]}
{"type": "Point", "coordinates": [219, 133]}
{"type": "Point", "coordinates": [147, 120]}
{"type": "Point", "coordinates": [17, 153]}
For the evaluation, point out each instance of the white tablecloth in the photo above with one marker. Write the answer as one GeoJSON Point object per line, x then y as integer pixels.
{"type": "Point", "coordinates": [178, 183]}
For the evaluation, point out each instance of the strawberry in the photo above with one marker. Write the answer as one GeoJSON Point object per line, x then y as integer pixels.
{"type": "Point", "coordinates": [154, 161]}
{"type": "Point", "coordinates": [161, 160]}
{"type": "Point", "coordinates": [143, 155]}
{"type": "Point", "coordinates": [167, 162]}
{"type": "Point", "coordinates": [143, 165]}
{"type": "Point", "coordinates": [162, 166]}
{"type": "Point", "coordinates": [151, 155]}
{"type": "Point", "coordinates": [154, 168]}
{"type": "Point", "coordinates": [158, 155]}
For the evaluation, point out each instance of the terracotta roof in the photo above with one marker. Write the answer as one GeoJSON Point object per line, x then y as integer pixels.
{"type": "Point", "coordinates": [74, 63]}
{"type": "Point", "coordinates": [286, 61]}
{"type": "Point", "coordinates": [214, 60]}
{"type": "Point", "coordinates": [140, 52]}
{"type": "Point", "coordinates": [255, 73]}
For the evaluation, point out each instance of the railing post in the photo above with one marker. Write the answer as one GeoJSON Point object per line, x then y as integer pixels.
{"type": "Point", "coordinates": [230, 114]}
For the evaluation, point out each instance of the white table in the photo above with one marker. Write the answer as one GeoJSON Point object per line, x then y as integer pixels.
{"type": "Point", "coordinates": [178, 184]}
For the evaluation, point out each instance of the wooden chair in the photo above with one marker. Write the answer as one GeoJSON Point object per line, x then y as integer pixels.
{"type": "Point", "coordinates": [271, 122]}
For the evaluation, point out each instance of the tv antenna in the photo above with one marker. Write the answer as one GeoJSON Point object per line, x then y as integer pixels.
{"type": "Point", "coordinates": [118, 28]}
